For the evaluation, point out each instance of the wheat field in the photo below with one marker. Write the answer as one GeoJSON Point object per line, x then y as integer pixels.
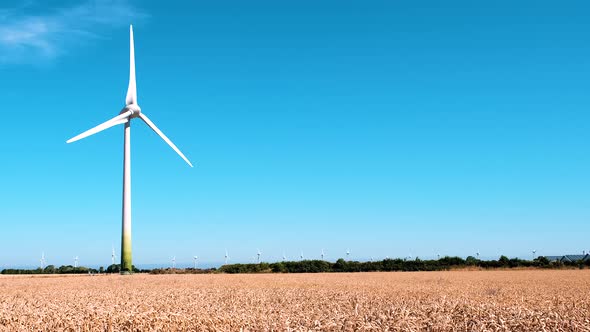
{"type": "Point", "coordinates": [527, 300]}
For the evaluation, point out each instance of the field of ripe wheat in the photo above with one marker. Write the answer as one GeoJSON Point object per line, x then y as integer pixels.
{"type": "Point", "coordinates": [531, 300]}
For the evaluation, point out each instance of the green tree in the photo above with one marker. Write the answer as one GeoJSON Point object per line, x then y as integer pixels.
{"type": "Point", "coordinates": [470, 260]}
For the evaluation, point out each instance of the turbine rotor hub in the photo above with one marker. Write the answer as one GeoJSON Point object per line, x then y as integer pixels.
{"type": "Point", "coordinates": [134, 108]}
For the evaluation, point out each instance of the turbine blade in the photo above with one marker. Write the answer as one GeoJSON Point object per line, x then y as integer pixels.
{"type": "Point", "coordinates": [119, 119]}
{"type": "Point", "coordinates": [131, 89]}
{"type": "Point", "coordinates": [161, 134]}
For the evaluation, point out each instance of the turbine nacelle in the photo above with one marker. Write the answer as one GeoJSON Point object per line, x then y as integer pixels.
{"type": "Point", "coordinates": [133, 108]}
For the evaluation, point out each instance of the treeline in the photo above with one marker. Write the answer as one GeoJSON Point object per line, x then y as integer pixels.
{"type": "Point", "coordinates": [446, 263]}
{"type": "Point", "coordinates": [316, 266]}
{"type": "Point", "coordinates": [69, 269]}
{"type": "Point", "coordinates": [51, 269]}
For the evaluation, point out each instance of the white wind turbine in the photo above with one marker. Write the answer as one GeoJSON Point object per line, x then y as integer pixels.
{"type": "Point", "coordinates": [258, 253]}
{"type": "Point", "coordinates": [226, 256]}
{"type": "Point", "coordinates": [534, 252]}
{"type": "Point", "coordinates": [284, 256]}
{"type": "Point", "coordinates": [301, 256]}
{"type": "Point", "coordinates": [113, 256]}
{"type": "Point", "coordinates": [347, 253]}
{"type": "Point", "coordinates": [322, 254]}
{"type": "Point", "coordinates": [477, 254]}
{"type": "Point", "coordinates": [42, 260]}
{"type": "Point", "coordinates": [195, 260]}
{"type": "Point", "coordinates": [129, 112]}
{"type": "Point", "coordinates": [76, 261]}
{"type": "Point", "coordinates": [173, 262]}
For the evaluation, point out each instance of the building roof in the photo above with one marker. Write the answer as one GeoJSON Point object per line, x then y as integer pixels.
{"type": "Point", "coordinates": [574, 258]}
{"type": "Point", "coordinates": [554, 258]}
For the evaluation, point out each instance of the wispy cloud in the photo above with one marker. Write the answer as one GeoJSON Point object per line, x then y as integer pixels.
{"type": "Point", "coordinates": [31, 33]}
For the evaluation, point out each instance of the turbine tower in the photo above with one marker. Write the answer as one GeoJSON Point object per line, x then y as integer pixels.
{"type": "Point", "coordinates": [173, 262]}
{"type": "Point", "coordinates": [301, 255]}
{"type": "Point", "coordinates": [284, 256]}
{"type": "Point", "coordinates": [258, 253]}
{"type": "Point", "coordinates": [195, 260]}
{"type": "Point", "coordinates": [347, 253]}
{"type": "Point", "coordinates": [477, 254]}
{"type": "Point", "coordinates": [534, 252]}
{"type": "Point", "coordinates": [322, 254]}
{"type": "Point", "coordinates": [76, 261]}
{"type": "Point", "coordinates": [129, 112]}
{"type": "Point", "coordinates": [226, 256]}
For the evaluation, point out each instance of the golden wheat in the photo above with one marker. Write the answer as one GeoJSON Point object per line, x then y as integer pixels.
{"type": "Point", "coordinates": [433, 301]}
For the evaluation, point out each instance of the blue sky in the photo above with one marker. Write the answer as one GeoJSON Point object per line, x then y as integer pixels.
{"type": "Point", "coordinates": [387, 127]}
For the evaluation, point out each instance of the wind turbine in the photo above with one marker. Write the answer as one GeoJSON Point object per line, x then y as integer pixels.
{"type": "Point", "coordinates": [195, 260]}
{"type": "Point", "coordinates": [113, 256]}
{"type": "Point", "coordinates": [284, 256]}
{"type": "Point", "coordinates": [534, 252]}
{"type": "Point", "coordinates": [322, 254]}
{"type": "Point", "coordinates": [258, 253]}
{"type": "Point", "coordinates": [129, 112]}
{"type": "Point", "coordinates": [438, 256]}
{"type": "Point", "coordinates": [347, 253]}
{"type": "Point", "coordinates": [477, 254]}
{"type": "Point", "coordinates": [76, 261]}
{"type": "Point", "coordinates": [226, 256]}
{"type": "Point", "coordinates": [173, 262]}
{"type": "Point", "coordinates": [301, 255]}
{"type": "Point", "coordinates": [42, 260]}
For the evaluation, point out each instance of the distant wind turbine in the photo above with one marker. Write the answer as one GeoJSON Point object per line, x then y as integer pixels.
{"type": "Point", "coordinates": [226, 257]}
{"type": "Point", "coordinates": [477, 254]}
{"type": "Point", "coordinates": [129, 112]}
{"type": "Point", "coordinates": [347, 253]}
{"type": "Point", "coordinates": [284, 257]}
{"type": "Point", "coordinates": [195, 261]}
{"type": "Point", "coordinates": [258, 253]}
{"type": "Point", "coordinates": [76, 261]}
{"type": "Point", "coordinates": [301, 256]}
{"type": "Point", "coordinates": [322, 254]}
{"type": "Point", "coordinates": [534, 252]}
{"type": "Point", "coordinates": [173, 262]}
{"type": "Point", "coordinates": [42, 260]}
{"type": "Point", "coordinates": [113, 256]}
